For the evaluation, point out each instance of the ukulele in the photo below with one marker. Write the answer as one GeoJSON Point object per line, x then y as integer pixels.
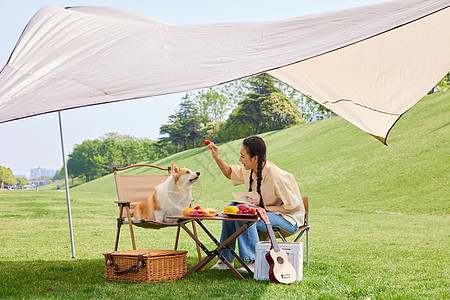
{"type": "Point", "coordinates": [280, 270]}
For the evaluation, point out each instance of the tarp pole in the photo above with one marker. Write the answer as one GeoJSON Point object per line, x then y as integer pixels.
{"type": "Point", "coordinates": [66, 179]}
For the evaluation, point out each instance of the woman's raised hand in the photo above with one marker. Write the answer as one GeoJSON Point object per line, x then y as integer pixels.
{"type": "Point", "coordinates": [214, 150]}
{"type": "Point", "coordinates": [226, 169]}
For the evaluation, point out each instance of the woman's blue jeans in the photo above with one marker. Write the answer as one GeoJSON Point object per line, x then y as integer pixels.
{"type": "Point", "coordinates": [248, 239]}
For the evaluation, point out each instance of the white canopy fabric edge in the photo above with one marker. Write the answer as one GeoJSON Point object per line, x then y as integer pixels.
{"type": "Point", "coordinates": [344, 81]}
{"type": "Point", "coordinates": [81, 56]}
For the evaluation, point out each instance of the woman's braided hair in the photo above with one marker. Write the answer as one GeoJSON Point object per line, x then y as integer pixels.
{"type": "Point", "coordinates": [256, 146]}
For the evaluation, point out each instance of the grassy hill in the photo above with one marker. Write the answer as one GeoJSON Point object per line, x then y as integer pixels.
{"type": "Point", "coordinates": [338, 165]}
{"type": "Point", "coordinates": [379, 227]}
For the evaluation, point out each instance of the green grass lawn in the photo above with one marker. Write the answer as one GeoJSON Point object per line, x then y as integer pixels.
{"type": "Point", "coordinates": [379, 226]}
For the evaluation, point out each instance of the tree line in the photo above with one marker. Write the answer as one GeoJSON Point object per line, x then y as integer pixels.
{"type": "Point", "coordinates": [235, 110]}
{"type": "Point", "coordinates": [95, 158]}
{"type": "Point", "coordinates": [223, 113]}
{"type": "Point", "coordinates": [241, 108]}
{"type": "Point", "coordinates": [7, 178]}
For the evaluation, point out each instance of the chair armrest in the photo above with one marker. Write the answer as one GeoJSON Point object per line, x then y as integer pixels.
{"type": "Point", "coordinates": [122, 202]}
{"type": "Point", "coordinates": [302, 228]}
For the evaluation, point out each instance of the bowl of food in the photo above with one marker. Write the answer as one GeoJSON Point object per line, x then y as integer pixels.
{"type": "Point", "coordinates": [210, 212]}
{"type": "Point", "coordinates": [199, 212]}
{"type": "Point", "coordinates": [242, 210]}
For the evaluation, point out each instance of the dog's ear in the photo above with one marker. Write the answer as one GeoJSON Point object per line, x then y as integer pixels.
{"type": "Point", "coordinates": [175, 169]}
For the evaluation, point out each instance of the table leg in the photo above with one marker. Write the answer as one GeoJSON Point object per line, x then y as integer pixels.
{"type": "Point", "coordinates": [198, 248]}
{"type": "Point", "coordinates": [230, 266]}
{"type": "Point", "coordinates": [199, 266]}
{"type": "Point", "coordinates": [204, 261]}
{"type": "Point", "coordinates": [227, 242]}
{"type": "Point", "coordinates": [216, 252]}
{"type": "Point", "coordinates": [181, 223]}
{"type": "Point", "coordinates": [228, 246]}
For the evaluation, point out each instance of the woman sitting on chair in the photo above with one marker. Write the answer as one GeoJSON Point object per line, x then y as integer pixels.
{"type": "Point", "coordinates": [276, 188]}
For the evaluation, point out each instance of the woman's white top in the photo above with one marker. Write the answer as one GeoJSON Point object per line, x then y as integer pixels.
{"type": "Point", "coordinates": [278, 188]}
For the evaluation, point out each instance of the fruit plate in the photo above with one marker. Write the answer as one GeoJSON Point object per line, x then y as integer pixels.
{"type": "Point", "coordinates": [211, 215]}
{"type": "Point", "coordinates": [200, 215]}
{"type": "Point", "coordinates": [252, 216]}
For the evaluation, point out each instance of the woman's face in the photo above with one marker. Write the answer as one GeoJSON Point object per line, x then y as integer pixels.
{"type": "Point", "coordinates": [247, 161]}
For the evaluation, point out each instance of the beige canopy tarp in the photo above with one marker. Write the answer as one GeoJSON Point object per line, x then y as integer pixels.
{"type": "Point", "coordinates": [368, 64]}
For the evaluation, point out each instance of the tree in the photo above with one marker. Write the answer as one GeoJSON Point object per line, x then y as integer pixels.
{"type": "Point", "coordinates": [265, 108]}
{"type": "Point", "coordinates": [443, 85]}
{"type": "Point", "coordinates": [249, 114]}
{"type": "Point", "coordinates": [21, 181]}
{"type": "Point", "coordinates": [85, 160]}
{"type": "Point", "coordinates": [174, 130]}
{"type": "Point", "coordinates": [279, 112]}
{"type": "Point", "coordinates": [213, 104]}
{"type": "Point", "coordinates": [111, 151]}
{"type": "Point", "coordinates": [153, 150]}
{"type": "Point", "coordinates": [57, 175]}
{"type": "Point", "coordinates": [7, 176]}
{"type": "Point", "coordinates": [191, 121]}
{"type": "Point", "coordinates": [306, 106]}
{"type": "Point", "coordinates": [132, 151]}
{"type": "Point", "coordinates": [185, 125]}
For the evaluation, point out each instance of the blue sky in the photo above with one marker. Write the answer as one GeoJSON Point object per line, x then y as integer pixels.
{"type": "Point", "coordinates": [35, 142]}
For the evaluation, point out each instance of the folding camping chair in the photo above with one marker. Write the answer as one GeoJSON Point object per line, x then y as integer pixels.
{"type": "Point", "coordinates": [283, 234]}
{"type": "Point", "coordinates": [131, 190]}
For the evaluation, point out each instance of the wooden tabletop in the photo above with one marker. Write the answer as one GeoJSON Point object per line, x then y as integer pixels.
{"type": "Point", "coordinates": [222, 217]}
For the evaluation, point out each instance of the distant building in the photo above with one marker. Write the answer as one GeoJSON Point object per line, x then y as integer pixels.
{"type": "Point", "coordinates": [41, 172]}
{"type": "Point", "coordinates": [38, 182]}
{"type": "Point", "coordinates": [316, 117]}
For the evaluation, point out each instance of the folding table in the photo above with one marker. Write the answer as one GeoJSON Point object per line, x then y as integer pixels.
{"type": "Point", "coordinates": [249, 220]}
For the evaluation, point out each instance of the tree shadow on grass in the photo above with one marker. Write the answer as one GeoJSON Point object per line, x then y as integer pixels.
{"type": "Point", "coordinates": [85, 279]}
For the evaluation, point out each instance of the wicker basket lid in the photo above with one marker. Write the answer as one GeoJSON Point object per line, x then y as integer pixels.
{"type": "Point", "coordinates": [147, 252]}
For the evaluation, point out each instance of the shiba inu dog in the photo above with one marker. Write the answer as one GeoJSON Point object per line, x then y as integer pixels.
{"type": "Point", "coordinates": [170, 197]}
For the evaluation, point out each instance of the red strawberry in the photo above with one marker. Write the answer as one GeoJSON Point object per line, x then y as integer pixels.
{"type": "Point", "coordinates": [207, 142]}
{"type": "Point", "coordinates": [197, 207]}
{"type": "Point", "coordinates": [243, 206]}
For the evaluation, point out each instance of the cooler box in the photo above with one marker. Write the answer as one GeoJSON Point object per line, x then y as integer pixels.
{"type": "Point", "coordinates": [295, 256]}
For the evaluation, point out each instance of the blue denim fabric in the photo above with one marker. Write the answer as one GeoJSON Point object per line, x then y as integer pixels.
{"type": "Point", "coordinates": [276, 220]}
{"type": "Point", "coordinates": [248, 239]}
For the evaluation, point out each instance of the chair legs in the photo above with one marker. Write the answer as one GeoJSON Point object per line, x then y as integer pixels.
{"type": "Point", "coordinates": [281, 236]}
{"type": "Point", "coordinates": [131, 227]}
{"type": "Point", "coordinates": [297, 239]}
{"type": "Point", "coordinates": [307, 247]}
{"type": "Point", "coordinates": [119, 225]}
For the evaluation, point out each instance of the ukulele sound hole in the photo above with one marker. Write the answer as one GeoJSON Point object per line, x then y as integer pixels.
{"type": "Point", "coordinates": [280, 260]}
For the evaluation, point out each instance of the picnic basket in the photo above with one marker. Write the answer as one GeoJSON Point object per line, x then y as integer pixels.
{"type": "Point", "coordinates": [145, 265]}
